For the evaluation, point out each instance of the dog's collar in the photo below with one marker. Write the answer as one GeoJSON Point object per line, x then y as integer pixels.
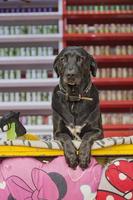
{"type": "Point", "coordinates": [76, 98]}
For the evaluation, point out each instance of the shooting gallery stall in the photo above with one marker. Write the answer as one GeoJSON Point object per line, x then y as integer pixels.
{"type": "Point", "coordinates": [33, 164]}
{"type": "Point", "coordinates": [106, 147]}
{"type": "Point", "coordinates": [30, 162]}
{"type": "Point", "coordinates": [18, 142]}
{"type": "Point", "coordinates": [32, 33]}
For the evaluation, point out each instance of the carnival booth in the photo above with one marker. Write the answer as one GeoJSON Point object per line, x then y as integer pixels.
{"type": "Point", "coordinates": [36, 169]}
{"type": "Point", "coordinates": [32, 34]}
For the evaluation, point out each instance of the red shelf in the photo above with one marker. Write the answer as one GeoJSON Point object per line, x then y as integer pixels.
{"type": "Point", "coordinates": [83, 39]}
{"type": "Point", "coordinates": [117, 106]}
{"type": "Point", "coordinates": [113, 15]}
{"type": "Point", "coordinates": [98, 36]}
{"type": "Point", "coordinates": [123, 82]}
{"type": "Point", "coordinates": [98, 2]}
{"type": "Point", "coordinates": [118, 133]}
{"type": "Point", "coordinates": [118, 127]}
{"type": "Point", "coordinates": [114, 58]}
{"type": "Point", "coordinates": [117, 61]}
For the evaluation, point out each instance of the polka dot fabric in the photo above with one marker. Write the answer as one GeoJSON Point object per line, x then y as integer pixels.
{"type": "Point", "coordinates": [117, 181]}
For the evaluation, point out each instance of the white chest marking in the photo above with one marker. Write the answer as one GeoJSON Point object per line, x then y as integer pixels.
{"type": "Point", "coordinates": [75, 130]}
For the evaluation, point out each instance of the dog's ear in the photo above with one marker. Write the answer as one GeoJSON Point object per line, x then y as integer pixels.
{"type": "Point", "coordinates": [56, 65]}
{"type": "Point", "coordinates": [93, 65]}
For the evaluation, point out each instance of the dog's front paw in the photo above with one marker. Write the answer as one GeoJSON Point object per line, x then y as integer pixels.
{"type": "Point", "coordinates": [70, 154]}
{"type": "Point", "coordinates": [84, 157]}
{"type": "Point", "coordinates": [84, 161]}
{"type": "Point", "coordinates": [84, 154]}
{"type": "Point", "coordinates": [72, 160]}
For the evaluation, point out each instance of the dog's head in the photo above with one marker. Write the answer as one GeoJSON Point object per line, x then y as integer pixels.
{"type": "Point", "coordinates": [74, 65]}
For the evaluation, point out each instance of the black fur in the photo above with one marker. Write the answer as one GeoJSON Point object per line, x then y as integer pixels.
{"type": "Point", "coordinates": [74, 66]}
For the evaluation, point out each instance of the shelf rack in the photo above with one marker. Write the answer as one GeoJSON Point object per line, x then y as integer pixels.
{"type": "Point", "coordinates": [51, 82]}
{"type": "Point", "coordinates": [58, 40]}
{"type": "Point", "coordinates": [118, 61]}
{"type": "Point", "coordinates": [54, 40]}
{"type": "Point", "coordinates": [45, 107]}
{"type": "Point", "coordinates": [99, 16]}
{"type": "Point", "coordinates": [109, 130]}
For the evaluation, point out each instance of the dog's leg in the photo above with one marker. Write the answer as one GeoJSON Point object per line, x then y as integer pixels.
{"type": "Point", "coordinates": [85, 147]}
{"type": "Point", "coordinates": [69, 149]}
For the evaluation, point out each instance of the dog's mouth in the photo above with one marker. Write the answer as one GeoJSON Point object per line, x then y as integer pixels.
{"type": "Point", "coordinates": [73, 89]}
{"type": "Point", "coordinates": [76, 81]}
{"type": "Point", "coordinates": [71, 84]}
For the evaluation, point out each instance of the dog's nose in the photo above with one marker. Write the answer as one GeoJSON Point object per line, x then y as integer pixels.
{"type": "Point", "coordinates": [70, 75]}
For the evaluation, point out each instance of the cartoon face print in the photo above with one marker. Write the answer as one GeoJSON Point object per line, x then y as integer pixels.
{"type": "Point", "coordinates": [120, 176]}
{"type": "Point", "coordinates": [48, 186]}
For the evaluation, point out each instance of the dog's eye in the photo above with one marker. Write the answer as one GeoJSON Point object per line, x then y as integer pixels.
{"type": "Point", "coordinates": [62, 59]}
{"type": "Point", "coordinates": [79, 59]}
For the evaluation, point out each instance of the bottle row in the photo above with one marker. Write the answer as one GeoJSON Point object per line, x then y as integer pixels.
{"type": "Point", "coordinates": [27, 51]}
{"type": "Point", "coordinates": [117, 72]}
{"type": "Point", "coordinates": [110, 95]}
{"type": "Point", "coordinates": [107, 118]}
{"type": "Point", "coordinates": [117, 118]}
{"type": "Point", "coordinates": [36, 120]}
{"type": "Point", "coordinates": [38, 96]}
{"type": "Point", "coordinates": [29, 10]}
{"type": "Point", "coordinates": [70, 28]}
{"type": "Point", "coordinates": [27, 74]}
{"type": "Point", "coordinates": [29, 29]}
{"type": "Point", "coordinates": [124, 72]}
{"type": "Point", "coordinates": [25, 96]}
{"type": "Point", "coordinates": [49, 51]}
{"type": "Point", "coordinates": [99, 28]}
{"type": "Point", "coordinates": [100, 8]}
{"type": "Point", "coordinates": [110, 50]}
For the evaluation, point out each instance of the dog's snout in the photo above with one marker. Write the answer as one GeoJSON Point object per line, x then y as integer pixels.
{"type": "Point", "coordinates": [70, 75]}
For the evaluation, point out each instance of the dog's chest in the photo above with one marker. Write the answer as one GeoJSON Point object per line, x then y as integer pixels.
{"type": "Point", "coordinates": [75, 130]}
{"type": "Point", "coordinates": [73, 127]}
{"type": "Point", "coordinates": [74, 108]}
{"type": "Point", "coordinates": [74, 113]}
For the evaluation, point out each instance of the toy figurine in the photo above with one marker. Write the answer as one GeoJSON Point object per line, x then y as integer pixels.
{"type": "Point", "coordinates": [10, 124]}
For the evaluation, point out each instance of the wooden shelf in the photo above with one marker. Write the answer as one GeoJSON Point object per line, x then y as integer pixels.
{"type": "Point", "coordinates": [118, 133]}
{"type": "Point", "coordinates": [111, 106]}
{"type": "Point", "coordinates": [98, 2]}
{"type": "Point", "coordinates": [110, 82]}
{"type": "Point", "coordinates": [52, 82]}
{"type": "Point", "coordinates": [106, 127]}
{"type": "Point", "coordinates": [27, 108]}
{"type": "Point", "coordinates": [46, 106]}
{"type": "Point", "coordinates": [117, 61]}
{"type": "Point", "coordinates": [25, 105]}
{"type": "Point", "coordinates": [31, 83]}
{"type": "Point", "coordinates": [122, 127]}
{"type": "Point", "coordinates": [25, 60]}
{"type": "Point", "coordinates": [13, 17]}
{"type": "Point", "coordinates": [6, 61]}
{"type": "Point", "coordinates": [30, 38]}
{"type": "Point", "coordinates": [112, 15]}
{"type": "Point", "coordinates": [39, 129]}
{"type": "Point", "coordinates": [98, 36]}
{"type": "Point", "coordinates": [114, 59]}
{"type": "Point", "coordinates": [109, 130]}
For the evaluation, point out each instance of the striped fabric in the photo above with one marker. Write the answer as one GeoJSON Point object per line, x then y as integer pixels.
{"type": "Point", "coordinates": [53, 144]}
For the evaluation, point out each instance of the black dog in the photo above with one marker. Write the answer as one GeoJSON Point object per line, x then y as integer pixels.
{"type": "Point", "coordinates": [75, 104]}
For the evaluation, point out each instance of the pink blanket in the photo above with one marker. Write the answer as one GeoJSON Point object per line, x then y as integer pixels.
{"type": "Point", "coordinates": [30, 179]}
